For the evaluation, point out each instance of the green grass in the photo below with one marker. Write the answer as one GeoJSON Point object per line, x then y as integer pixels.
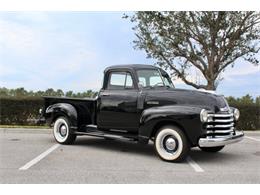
{"type": "Point", "coordinates": [24, 126]}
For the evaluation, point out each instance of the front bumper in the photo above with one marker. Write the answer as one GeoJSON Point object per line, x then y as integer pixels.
{"type": "Point", "coordinates": [221, 141]}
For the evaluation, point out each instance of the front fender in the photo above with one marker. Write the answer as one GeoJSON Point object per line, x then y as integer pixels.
{"type": "Point", "coordinates": [61, 109]}
{"type": "Point", "coordinates": [185, 117]}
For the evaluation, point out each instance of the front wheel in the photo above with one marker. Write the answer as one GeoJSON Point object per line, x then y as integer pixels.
{"type": "Point", "coordinates": [212, 149]}
{"type": "Point", "coordinates": [171, 144]}
{"type": "Point", "coordinates": [62, 132]}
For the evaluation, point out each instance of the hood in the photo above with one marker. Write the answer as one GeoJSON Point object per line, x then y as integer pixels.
{"type": "Point", "coordinates": [171, 96]}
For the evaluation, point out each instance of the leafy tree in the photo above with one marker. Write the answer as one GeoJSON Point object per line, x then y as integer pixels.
{"type": "Point", "coordinates": [50, 92]}
{"type": "Point", "coordinates": [21, 92]}
{"type": "Point", "coordinates": [59, 93]}
{"type": "Point", "coordinates": [231, 100]}
{"type": "Point", "coordinates": [39, 93]}
{"type": "Point", "coordinates": [257, 101]}
{"type": "Point", "coordinates": [4, 91]}
{"type": "Point", "coordinates": [69, 94]}
{"type": "Point", "coordinates": [247, 99]}
{"type": "Point", "coordinates": [208, 42]}
{"type": "Point", "coordinates": [244, 100]}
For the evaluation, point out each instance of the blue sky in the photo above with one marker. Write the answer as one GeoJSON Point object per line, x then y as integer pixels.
{"type": "Point", "coordinates": [69, 51]}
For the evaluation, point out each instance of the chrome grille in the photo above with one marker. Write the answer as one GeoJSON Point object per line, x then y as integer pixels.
{"type": "Point", "coordinates": [220, 124]}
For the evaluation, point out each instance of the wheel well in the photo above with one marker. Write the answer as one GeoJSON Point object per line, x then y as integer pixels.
{"type": "Point", "coordinates": [60, 114]}
{"type": "Point", "coordinates": [168, 122]}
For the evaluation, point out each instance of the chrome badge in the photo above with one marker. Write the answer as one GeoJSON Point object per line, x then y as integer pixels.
{"type": "Point", "coordinates": [225, 109]}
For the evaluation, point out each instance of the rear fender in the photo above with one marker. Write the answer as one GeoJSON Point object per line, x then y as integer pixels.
{"type": "Point", "coordinates": [62, 109]}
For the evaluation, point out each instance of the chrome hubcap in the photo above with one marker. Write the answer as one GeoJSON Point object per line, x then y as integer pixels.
{"type": "Point", "coordinates": [170, 144]}
{"type": "Point", "coordinates": [63, 130]}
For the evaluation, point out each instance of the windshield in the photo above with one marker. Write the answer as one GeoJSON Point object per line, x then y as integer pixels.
{"type": "Point", "coordinates": [153, 78]}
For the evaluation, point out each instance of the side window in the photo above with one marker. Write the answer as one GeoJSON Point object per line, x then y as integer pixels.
{"type": "Point", "coordinates": [116, 80]}
{"type": "Point", "coordinates": [120, 80]}
{"type": "Point", "coordinates": [129, 81]}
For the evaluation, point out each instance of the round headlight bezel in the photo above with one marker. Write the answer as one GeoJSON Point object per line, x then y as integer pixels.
{"type": "Point", "coordinates": [236, 114]}
{"type": "Point", "coordinates": [203, 115]}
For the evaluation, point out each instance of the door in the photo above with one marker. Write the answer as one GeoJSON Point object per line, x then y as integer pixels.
{"type": "Point", "coordinates": [117, 103]}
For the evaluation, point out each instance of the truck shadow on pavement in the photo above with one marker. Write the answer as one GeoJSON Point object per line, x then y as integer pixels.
{"type": "Point", "coordinates": [148, 150]}
{"type": "Point", "coordinates": [116, 145]}
{"type": "Point", "coordinates": [220, 157]}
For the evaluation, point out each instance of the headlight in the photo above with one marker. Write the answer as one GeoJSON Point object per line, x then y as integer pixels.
{"type": "Point", "coordinates": [236, 114]}
{"type": "Point", "coordinates": [203, 115]}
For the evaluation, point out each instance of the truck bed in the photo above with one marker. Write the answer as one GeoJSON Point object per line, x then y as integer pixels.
{"type": "Point", "coordinates": [86, 107]}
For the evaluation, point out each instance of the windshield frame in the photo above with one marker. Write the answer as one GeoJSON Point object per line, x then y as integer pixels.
{"type": "Point", "coordinates": [163, 75]}
{"type": "Point", "coordinates": [168, 78]}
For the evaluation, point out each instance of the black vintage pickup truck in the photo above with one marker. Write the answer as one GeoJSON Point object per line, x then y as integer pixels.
{"type": "Point", "coordinates": [140, 103]}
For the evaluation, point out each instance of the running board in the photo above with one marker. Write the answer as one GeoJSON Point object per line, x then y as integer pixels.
{"type": "Point", "coordinates": [92, 131]}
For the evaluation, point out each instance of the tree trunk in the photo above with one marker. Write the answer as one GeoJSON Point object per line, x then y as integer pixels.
{"type": "Point", "coordinates": [211, 85]}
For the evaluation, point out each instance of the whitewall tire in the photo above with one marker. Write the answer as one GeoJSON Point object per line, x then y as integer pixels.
{"type": "Point", "coordinates": [62, 132]}
{"type": "Point", "coordinates": [171, 144]}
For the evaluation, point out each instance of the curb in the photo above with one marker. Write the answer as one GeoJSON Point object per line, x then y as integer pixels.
{"type": "Point", "coordinates": [25, 130]}
{"type": "Point", "coordinates": [256, 133]}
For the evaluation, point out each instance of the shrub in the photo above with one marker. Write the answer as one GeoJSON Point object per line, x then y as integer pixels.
{"type": "Point", "coordinates": [249, 111]}
{"type": "Point", "coordinates": [19, 111]}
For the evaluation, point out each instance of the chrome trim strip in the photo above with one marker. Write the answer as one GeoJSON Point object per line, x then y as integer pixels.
{"type": "Point", "coordinates": [222, 120]}
{"type": "Point", "coordinates": [220, 131]}
{"type": "Point", "coordinates": [220, 126]}
{"type": "Point", "coordinates": [221, 115]}
{"type": "Point", "coordinates": [93, 126]}
{"type": "Point", "coordinates": [221, 141]}
{"type": "Point", "coordinates": [152, 102]}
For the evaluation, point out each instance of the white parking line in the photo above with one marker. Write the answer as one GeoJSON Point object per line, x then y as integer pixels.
{"type": "Point", "coordinates": [38, 158]}
{"type": "Point", "coordinates": [194, 165]}
{"type": "Point", "coordinates": [252, 138]}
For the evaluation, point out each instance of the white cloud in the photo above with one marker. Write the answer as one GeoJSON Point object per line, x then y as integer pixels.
{"type": "Point", "coordinates": [18, 38]}
{"type": "Point", "coordinates": [4, 70]}
{"type": "Point", "coordinates": [33, 16]}
{"type": "Point", "coordinates": [40, 57]}
{"type": "Point", "coordinates": [75, 61]}
{"type": "Point", "coordinates": [241, 69]}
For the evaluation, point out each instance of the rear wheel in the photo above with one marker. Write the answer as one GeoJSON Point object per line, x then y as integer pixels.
{"type": "Point", "coordinates": [62, 132]}
{"type": "Point", "coordinates": [212, 149]}
{"type": "Point", "coordinates": [171, 144]}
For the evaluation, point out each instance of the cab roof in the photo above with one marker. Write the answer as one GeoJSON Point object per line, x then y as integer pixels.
{"type": "Point", "coordinates": [131, 66]}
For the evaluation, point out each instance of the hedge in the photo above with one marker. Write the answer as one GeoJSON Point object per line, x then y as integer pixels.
{"type": "Point", "coordinates": [20, 111]}
{"type": "Point", "coordinates": [24, 111]}
{"type": "Point", "coordinates": [249, 116]}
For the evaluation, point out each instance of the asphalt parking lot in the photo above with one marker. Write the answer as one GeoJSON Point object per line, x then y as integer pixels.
{"type": "Point", "coordinates": [32, 156]}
